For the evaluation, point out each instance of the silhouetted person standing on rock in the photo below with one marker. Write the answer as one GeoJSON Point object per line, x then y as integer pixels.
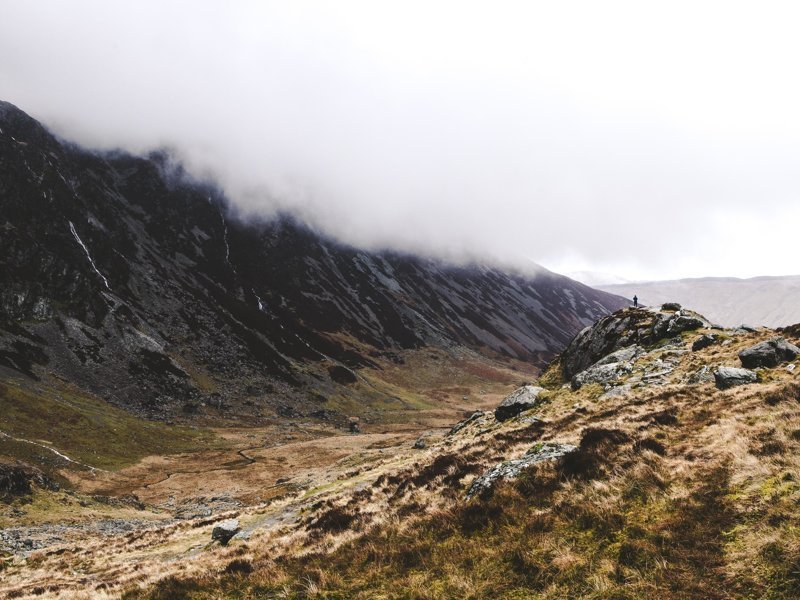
{"type": "Point", "coordinates": [635, 302]}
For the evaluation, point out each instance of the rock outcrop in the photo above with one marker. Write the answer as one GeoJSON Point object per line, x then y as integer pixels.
{"type": "Point", "coordinates": [601, 373]}
{"type": "Point", "coordinates": [769, 354]}
{"type": "Point", "coordinates": [623, 329]}
{"type": "Point", "coordinates": [512, 468]}
{"type": "Point", "coordinates": [704, 341]}
{"type": "Point", "coordinates": [671, 324]}
{"type": "Point", "coordinates": [728, 377]}
{"type": "Point", "coordinates": [223, 532]}
{"type": "Point", "coordinates": [522, 399]}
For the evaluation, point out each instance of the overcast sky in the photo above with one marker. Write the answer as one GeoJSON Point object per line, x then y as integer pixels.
{"type": "Point", "coordinates": [649, 140]}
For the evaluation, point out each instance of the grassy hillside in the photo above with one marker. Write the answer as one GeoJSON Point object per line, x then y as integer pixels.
{"type": "Point", "coordinates": [82, 427]}
{"type": "Point", "coordinates": [675, 491]}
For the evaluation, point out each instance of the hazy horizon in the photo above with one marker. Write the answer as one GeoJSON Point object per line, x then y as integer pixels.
{"type": "Point", "coordinates": [645, 142]}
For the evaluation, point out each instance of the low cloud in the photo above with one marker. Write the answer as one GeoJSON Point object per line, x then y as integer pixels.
{"type": "Point", "coordinates": [614, 137]}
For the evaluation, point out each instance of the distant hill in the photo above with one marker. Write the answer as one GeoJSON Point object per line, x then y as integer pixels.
{"type": "Point", "coordinates": [728, 301]}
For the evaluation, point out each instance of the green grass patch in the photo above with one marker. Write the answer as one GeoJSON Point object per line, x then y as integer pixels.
{"type": "Point", "coordinates": [86, 429]}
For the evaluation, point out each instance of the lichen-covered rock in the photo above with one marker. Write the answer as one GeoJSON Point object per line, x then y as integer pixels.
{"type": "Point", "coordinates": [674, 306]}
{"type": "Point", "coordinates": [603, 374]}
{"type": "Point", "coordinates": [623, 329]}
{"type": "Point", "coordinates": [670, 324]}
{"type": "Point", "coordinates": [512, 468]}
{"type": "Point", "coordinates": [628, 354]}
{"type": "Point", "coordinates": [682, 323]}
{"type": "Point", "coordinates": [728, 377]}
{"type": "Point", "coordinates": [769, 354]}
{"type": "Point", "coordinates": [520, 400]}
{"type": "Point", "coordinates": [223, 532]}
{"type": "Point", "coordinates": [620, 330]}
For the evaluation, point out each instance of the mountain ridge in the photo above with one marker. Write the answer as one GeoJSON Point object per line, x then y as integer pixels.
{"type": "Point", "coordinates": [126, 277]}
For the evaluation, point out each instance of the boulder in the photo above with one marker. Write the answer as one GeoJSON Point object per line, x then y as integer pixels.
{"type": "Point", "coordinates": [223, 532]}
{"type": "Point", "coordinates": [681, 323]}
{"type": "Point", "coordinates": [420, 444]}
{"type": "Point", "coordinates": [522, 399]}
{"type": "Point", "coordinates": [669, 324]}
{"type": "Point", "coordinates": [727, 377]}
{"type": "Point", "coordinates": [512, 468]}
{"type": "Point", "coordinates": [673, 306]}
{"type": "Point", "coordinates": [604, 374]}
{"type": "Point", "coordinates": [661, 324]}
{"type": "Point", "coordinates": [769, 354]}
{"type": "Point", "coordinates": [704, 341]}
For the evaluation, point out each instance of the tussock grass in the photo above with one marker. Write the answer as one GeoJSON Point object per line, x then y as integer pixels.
{"type": "Point", "coordinates": [682, 491]}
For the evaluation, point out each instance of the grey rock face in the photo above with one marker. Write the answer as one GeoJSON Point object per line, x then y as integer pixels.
{"type": "Point", "coordinates": [682, 323]}
{"type": "Point", "coordinates": [612, 333]}
{"type": "Point", "coordinates": [608, 373]}
{"type": "Point", "coordinates": [512, 468]}
{"type": "Point", "coordinates": [770, 353]}
{"type": "Point", "coordinates": [520, 400]}
{"type": "Point", "coordinates": [624, 355]}
{"type": "Point", "coordinates": [669, 324]}
{"type": "Point", "coordinates": [704, 341]}
{"type": "Point", "coordinates": [728, 377]}
{"type": "Point", "coordinates": [223, 532]}
{"type": "Point", "coordinates": [621, 330]}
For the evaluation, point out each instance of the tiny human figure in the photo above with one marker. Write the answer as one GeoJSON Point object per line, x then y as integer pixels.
{"type": "Point", "coordinates": [635, 302]}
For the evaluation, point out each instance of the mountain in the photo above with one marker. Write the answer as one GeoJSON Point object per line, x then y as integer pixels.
{"type": "Point", "coordinates": [767, 301]}
{"type": "Point", "coordinates": [123, 276]}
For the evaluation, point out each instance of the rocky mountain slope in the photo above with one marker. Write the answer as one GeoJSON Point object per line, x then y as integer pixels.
{"type": "Point", "coordinates": [728, 301]}
{"type": "Point", "coordinates": [121, 275]}
{"type": "Point", "coordinates": [656, 477]}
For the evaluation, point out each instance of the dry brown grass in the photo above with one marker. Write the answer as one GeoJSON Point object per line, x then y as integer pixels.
{"type": "Point", "coordinates": [675, 492]}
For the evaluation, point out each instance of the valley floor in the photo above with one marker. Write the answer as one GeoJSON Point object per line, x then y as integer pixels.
{"type": "Point", "coordinates": [112, 526]}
